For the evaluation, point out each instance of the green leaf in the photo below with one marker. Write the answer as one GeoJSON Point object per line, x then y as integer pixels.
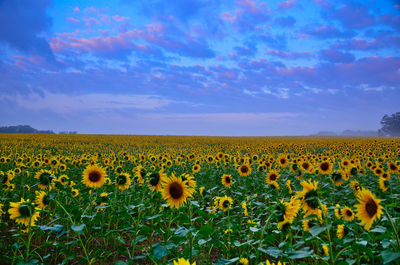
{"type": "Point", "coordinates": [227, 261]}
{"type": "Point", "coordinates": [160, 251]}
{"type": "Point", "coordinates": [379, 229]}
{"type": "Point", "coordinates": [78, 228]}
{"type": "Point", "coordinates": [254, 229]}
{"type": "Point", "coordinates": [386, 242]}
{"type": "Point", "coordinates": [362, 242]}
{"type": "Point", "coordinates": [182, 231]}
{"type": "Point", "coordinates": [120, 262]}
{"type": "Point", "coordinates": [272, 251]}
{"type": "Point", "coordinates": [389, 256]}
{"type": "Point", "coordinates": [206, 230]}
{"type": "Point", "coordinates": [316, 230]}
{"type": "Point", "coordinates": [301, 254]}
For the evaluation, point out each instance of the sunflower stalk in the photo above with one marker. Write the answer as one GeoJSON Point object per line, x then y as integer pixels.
{"type": "Point", "coordinates": [394, 228]}
{"type": "Point", "coordinates": [265, 227]}
{"type": "Point", "coordinates": [328, 232]}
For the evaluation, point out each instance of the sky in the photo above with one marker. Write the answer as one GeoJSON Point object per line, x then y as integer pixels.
{"type": "Point", "coordinates": [196, 67]}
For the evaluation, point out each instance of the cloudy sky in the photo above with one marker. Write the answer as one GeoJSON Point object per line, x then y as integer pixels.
{"type": "Point", "coordinates": [196, 67]}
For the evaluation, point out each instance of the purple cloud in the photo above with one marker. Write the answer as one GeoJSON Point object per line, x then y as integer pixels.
{"type": "Point", "coordinates": [336, 56]}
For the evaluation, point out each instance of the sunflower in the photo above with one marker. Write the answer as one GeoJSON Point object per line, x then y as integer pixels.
{"type": "Point", "coordinates": [287, 211]}
{"type": "Point", "coordinates": [368, 209]}
{"type": "Point", "coordinates": [337, 211]}
{"type": "Point", "coordinates": [306, 166]}
{"type": "Point", "coordinates": [94, 176]}
{"type": "Point", "coordinates": [42, 199]}
{"type": "Point", "coordinates": [1, 209]}
{"type": "Point", "coordinates": [62, 167]}
{"type": "Point", "coordinates": [45, 178]}
{"type": "Point", "coordinates": [5, 178]}
{"type": "Point", "coordinates": [340, 231]}
{"type": "Point", "coordinates": [190, 180]}
{"type": "Point", "coordinates": [196, 168]}
{"type": "Point", "coordinates": [244, 261]}
{"type": "Point", "coordinates": [225, 203]}
{"type": "Point", "coordinates": [309, 197]}
{"type": "Point", "coordinates": [155, 180]}
{"type": "Point", "coordinates": [382, 184]}
{"type": "Point", "coordinates": [309, 223]}
{"type": "Point", "coordinates": [325, 167]}
{"type": "Point", "coordinates": [325, 249]}
{"type": "Point", "coordinates": [288, 185]}
{"type": "Point", "coordinates": [337, 178]}
{"type": "Point", "coordinates": [274, 185]}
{"type": "Point", "coordinates": [347, 214]}
{"type": "Point", "coordinates": [123, 181]}
{"type": "Point", "coordinates": [182, 261]}
{"type": "Point", "coordinates": [355, 185]}
{"type": "Point", "coordinates": [139, 174]}
{"type": "Point", "coordinates": [244, 170]}
{"type": "Point", "coordinates": [244, 206]}
{"type": "Point", "coordinates": [282, 160]}
{"type": "Point", "coordinates": [226, 180]}
{"type": "Point", "coordinates": [75, 192]}
{"type": "Point", "coordinates": [272, 177]}
{"type": "Point", "coordinates": [63, 179]}
{"type": "Point", "coordinates": [175, 191]}
{"type": "Point", "coordinates": [392, 167]}
{"type": "Point", "coordinates": [24, 212]}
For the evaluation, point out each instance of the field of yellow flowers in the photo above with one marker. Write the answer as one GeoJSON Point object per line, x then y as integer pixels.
{"type": "Point", "coordinates": [104, 199]}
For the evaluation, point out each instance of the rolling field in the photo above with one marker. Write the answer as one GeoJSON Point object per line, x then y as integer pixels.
{"type": "Point", "coordinates": [113, 199]}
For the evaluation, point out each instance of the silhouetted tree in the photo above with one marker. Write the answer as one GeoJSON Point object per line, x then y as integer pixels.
{"type": "Point", "coordinates": [390, 125]}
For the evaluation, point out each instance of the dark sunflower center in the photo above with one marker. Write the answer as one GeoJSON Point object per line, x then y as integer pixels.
{"type": "Point", "coordinates": [94, 176]}
{"type": "Point", "coordinates": [121, 180]}
{"type": "Point", "coordinates": [228, 180]}
{"type": "Point", "coordinates": [345, 163]}
{"type": "Point", "coordinates": [244, 169]}
{"type": "Point", "coordinates": [353, 171]}
{"type": "Point", "coordinates": [273, 177]}
{"type": "Point", "coordinates": [225, 204]}
{"type": "Point", "coordinates": [54, 162]}
{"type": "Point", "coordinates": [103, 198]}
{"type": "Point", "coordinates": [25, 210]}
{"type": "Point", "coordinates": [45, 178]}
{"type": "Point", "coordinates": [154, 179]}
{"type": "Point", "coordinates": [176, 190]}
{"type": "Point", "coordinates": [336, 176]}
{"type": "Point", "coordinates": [63, 179]}
{"type": "Point", "coordinates": [378, 171]}
{"type": "Point", "coordinates": [393, 167]}
{"type": "Point", "coordinates": [324, 166]}
{"type": "Point", "coordinates": [283, 161]}
{"type": "Point", "coordinates": [311, 198]}
{"type": "Point", "coordinates": [46, 199]}
{"type": "Point", "coordinates": [371, 207]}
{"type": "Point", "coordinates": [294, 166]}
{"type": "Point", "coordinates": [349, 213]}
{"type": "Point", "coordinates": [305, 166]}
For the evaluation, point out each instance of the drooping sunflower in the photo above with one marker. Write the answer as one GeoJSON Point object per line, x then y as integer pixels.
{"type": "Point", "coordinates": [155, 180]}
{"type": "Point", "coordinates": [309, 197]}
{"type": "Point", "coordinates": [42, 199]}
{"type": "Point", "coordinates": [24, 212]}
{"type": "Point", "coordinates": [272, 176]}
{"type": "Point", "coordinates": [244, 170]}
{"type": "Point", "coordinates": [341, 231]}
{"type": "Point", "coordinates": [123, 181]}
{"type": "Point", "coordinates": [325, 167]}
{"type": "Point", "coordinates": [337, 178]}
{"type": "Point", "coordinates": [368, 209]}
{"type": "Point", "coordinates": [226, 180]}
{"type": "Point", "coordinates": [175, 191]}
{"type": "Point", "coordinates": [225, 203]}
{"type": "Point", "coordinates": [347, 214]}
{"type": "Point", "coordinates": [355, 185]}
{"type": "Point", "coordinates": [309, 223]}
{"type": "Point", "coordinates": [382, 184]}
{"type": "Point", "coordinates": [182, 261]}
{"type": "Point", "coordinates": [94, 176]}
{"type": "Point", "coordinates": [287, 211]}
{"type": "Point", "coordinates": [45, 178]}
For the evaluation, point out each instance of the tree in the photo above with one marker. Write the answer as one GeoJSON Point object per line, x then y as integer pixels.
{"type": "Point", "coordinates": [390, 125]}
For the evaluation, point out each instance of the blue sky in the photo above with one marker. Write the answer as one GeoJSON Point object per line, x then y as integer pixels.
{"type": "Point", "coordinates": [199, 67]}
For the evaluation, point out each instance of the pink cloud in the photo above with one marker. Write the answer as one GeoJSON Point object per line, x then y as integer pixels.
{"type": "Point", "coordinates": [119, 18]}
{"type": "Point", "coordinates": [290, 55]}
{"type": "Point", "coordinates": [76, 9]}
{"type": "Point", "coordinates": [91, 21]}
{"type": "Point", "coordinates": [228, 17]}
{"type": "Point", "coordinates": [73, 20]}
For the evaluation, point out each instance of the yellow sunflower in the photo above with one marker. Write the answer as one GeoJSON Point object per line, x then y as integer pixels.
{"type": "Point", "coordinates": [282, 160]}
{"type": "Point", "coordinates": [42, 199]}
{"type": "Point", "coordinates": [175, 191]}
{"type": "Point", "coordinates": [123, 181]}
{"type": "Point", "coordinates": [309, 197]}
{"type": "Point", "coordinates": [272, 177]}
{"type": "Point", "coordinates": [347, 214]}
{"type": "Point", "coordinates": [287, 211]}
{"type": "Point", "coordinates": [1, 209]}
{"type": "Point", "coordinates": [325, 167]}
{"type": "Point", "coordinates": [355, 185]}
{"type": "Point", "coordinates": [196, 168]}
{"type": "Point", "coordinates": [382, 184]}
{"type": "Point", "coordinates": [340, 231]}
{"type": "Point", "coordinates": [226, 180]}
{"type": "Point", "coordinates": [45, 178]}
{"type": "Point", "coordinates": [225, 203]}
{"type": "Point", "coordinates": [368, 209]}
{"type": "Point", "coordinates": [94, 176]}
{"type": "Point", "coordinates": [182, 261]}
{"type": "Point", "coordinates": [24, 212]}
{"type": "Point", "coordinates": [244, 170]}
{"type": "Point", "coordinates": [155, 180]}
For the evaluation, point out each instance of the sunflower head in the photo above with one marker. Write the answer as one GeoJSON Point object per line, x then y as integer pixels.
{"type": "Point", "coordinates": [271, 177]}
{"type": "Point", "coordinates": [309, 196]}
{"type": "Point", "coordinates": [123, 181]}
{"type": "Point", "coordinates": [244, 170]}
{"type": "Point", "coordinates": [368, 208]}
{"type": "Point", "coordinates": [325, 167]}
{"type": "Point", "coordinates": [175, 191]}
{"type": "Point", "coordinates": [94, 176]}
{"type": "Point", "coordinates": [45, 178]}
{"type": "Point", "coordinates": [347, 214]}
{"type": "Point", "coordinates": [225, 203]}
{"type": "Point", "coordinates": [24, 212]}
{"type": "Point", "coordinates": [226, 180]}
{"type": "Point", "coordinates": [42, 199]}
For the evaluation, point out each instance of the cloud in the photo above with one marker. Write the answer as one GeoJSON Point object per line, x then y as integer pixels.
{"type": "Point", "coordinates": [353, 16]}
{"type": "Point", "coordinates": [95, 102]}
{"type": "Point", "coordinates": [336, 56]}
{"type": "Point", "coordinates": [290, 55]}
{"type": "Point", "coordinates": [23, 24]}
{"type": "Point", "coordinates": [328, 31]}
{"type": "Point", "coordinates": [285, 21]}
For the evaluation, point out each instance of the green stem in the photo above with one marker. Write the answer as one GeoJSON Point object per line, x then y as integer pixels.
{"type": "Point", "coordinates": [265, 227]}
{"type": "Point", "coordinates": [394, 228]}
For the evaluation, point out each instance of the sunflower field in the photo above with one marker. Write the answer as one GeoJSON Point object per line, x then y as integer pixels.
{"type": "Point", "coordinates": [113, 199]}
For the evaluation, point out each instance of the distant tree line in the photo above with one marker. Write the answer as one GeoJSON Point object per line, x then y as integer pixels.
{"type": "Point", "coordinates": [390, 125]}
{"type": "Point", "coordinates": [22, 129]}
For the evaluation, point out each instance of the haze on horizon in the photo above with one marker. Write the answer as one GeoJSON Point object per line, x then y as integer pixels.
{"type": "Point", "coordinates": [181, 67]}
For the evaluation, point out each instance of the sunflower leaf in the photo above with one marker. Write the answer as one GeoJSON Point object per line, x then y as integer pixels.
{"type": "Point", "coordinates": [316, 230]}
{"type": "Point", "coordinates": [389, 256]}
{"type": "Point", "coordinates": [78, 228]}
{"type": "Point", "coordinates": [182, 231]}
